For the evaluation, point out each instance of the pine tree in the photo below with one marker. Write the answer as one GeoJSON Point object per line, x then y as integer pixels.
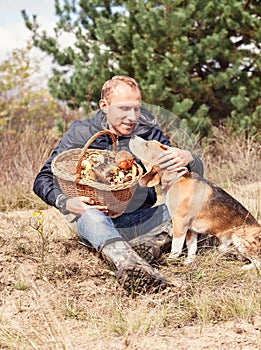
{"type": "Point", "coordinates": [198, 59]}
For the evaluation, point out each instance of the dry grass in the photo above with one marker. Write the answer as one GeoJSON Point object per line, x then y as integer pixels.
{"type": "Point", "coordinates": [55, 294]}
{"type": "Point", "coordinates": [65, 297]}
{"type": "Point", "coordinates": [234, 163]}
{"type": "Point", "coordinates": [22, 153]}
{"type": "Point", "coordinates": [232, 159]}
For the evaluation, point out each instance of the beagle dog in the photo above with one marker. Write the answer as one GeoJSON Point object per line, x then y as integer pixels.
{"type": "Point", "coordinates": [197, 206]}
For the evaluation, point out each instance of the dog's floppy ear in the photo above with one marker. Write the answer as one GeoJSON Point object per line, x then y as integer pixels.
{"type": "Point", "coordinates": [151, 178]}
{"type": "Point", "coordinates": [148, 165]}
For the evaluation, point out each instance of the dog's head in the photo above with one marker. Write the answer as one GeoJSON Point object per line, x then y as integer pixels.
{"type": "Point", "coordinates": [147, 152]}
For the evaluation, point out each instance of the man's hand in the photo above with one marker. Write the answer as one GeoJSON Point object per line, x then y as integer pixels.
{"type": "Point", "coordinates": [173, 158]}
{"type": "Point", "coordinates": [78, 205]}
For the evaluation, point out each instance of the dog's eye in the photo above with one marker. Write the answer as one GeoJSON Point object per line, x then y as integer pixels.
{"type": "Point", "coordinates": [146, 144]}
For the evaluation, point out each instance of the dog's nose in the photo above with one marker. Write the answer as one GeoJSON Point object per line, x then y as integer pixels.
{"type": "Point", "coordinates": [133, 136]}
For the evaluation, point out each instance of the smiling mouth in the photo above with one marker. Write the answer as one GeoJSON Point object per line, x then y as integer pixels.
{"type": "Point", "coordinates": [126, 125]}
{"type": "Point", "coordinates": [129, 124]}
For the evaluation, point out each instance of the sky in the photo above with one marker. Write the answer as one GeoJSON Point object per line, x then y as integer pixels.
{"type": "Point", "coordinates": [14, 34]}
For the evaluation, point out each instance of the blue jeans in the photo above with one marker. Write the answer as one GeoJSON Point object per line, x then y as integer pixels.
{"type": "Point", "coordinates": [97, 228]}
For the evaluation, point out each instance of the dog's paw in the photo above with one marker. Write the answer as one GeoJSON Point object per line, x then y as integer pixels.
{"type": "Point", "coordinates": [255, 264]}
{"type": "Point", "coordinates": [189, 260]}
{"type": "Point", "coordinates": [172, 257]}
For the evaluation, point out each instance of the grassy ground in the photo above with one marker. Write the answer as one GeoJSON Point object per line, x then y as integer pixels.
{"type": "Point", "coordinates": [55, 294]}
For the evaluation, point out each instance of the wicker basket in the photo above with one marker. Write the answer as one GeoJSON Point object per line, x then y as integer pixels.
{"type": "Point", "coordinates": [67, 167]}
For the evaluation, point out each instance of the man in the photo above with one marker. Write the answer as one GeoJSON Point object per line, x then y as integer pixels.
{"type": "Point", "coordinates": [120, 112]}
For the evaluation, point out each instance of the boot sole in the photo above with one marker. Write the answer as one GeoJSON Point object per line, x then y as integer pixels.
{"type": "Point", "coordinates": [147, 251]}
{"type": "Point", "coordinates": [135, 280]}
{"type": "Point", "coordinates": [151, 249]}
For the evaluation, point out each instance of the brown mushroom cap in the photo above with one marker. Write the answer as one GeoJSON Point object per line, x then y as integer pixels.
{"type": "Point", "coordinates": [124, 159]}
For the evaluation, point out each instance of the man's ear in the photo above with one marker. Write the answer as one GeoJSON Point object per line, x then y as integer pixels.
{"type": "Point", "coordinates": [150, 179]}
{"type": "Point", "coordinates": [103, 105]}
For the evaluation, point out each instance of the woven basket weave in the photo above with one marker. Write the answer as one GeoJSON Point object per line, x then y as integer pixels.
{"type": "Point", "coordinates": [67, 168]}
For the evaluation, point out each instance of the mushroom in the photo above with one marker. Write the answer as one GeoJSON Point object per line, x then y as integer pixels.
{"type": "Point", "coordinates": [124, 159]}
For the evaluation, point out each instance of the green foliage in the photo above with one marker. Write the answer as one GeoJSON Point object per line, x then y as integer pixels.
{"type": "Point", "coordinates": [198, 59]}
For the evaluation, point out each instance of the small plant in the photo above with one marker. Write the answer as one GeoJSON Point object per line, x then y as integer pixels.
{"type": "Point", "coordinates": [37, 223]}
{"type": "Point", "coordinates": [20, 285]}
{"type": "Point", "coordinates": [72, 312]}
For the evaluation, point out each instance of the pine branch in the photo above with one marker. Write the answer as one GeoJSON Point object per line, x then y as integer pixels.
{"type": "Point", "coordinates": [245, 5]}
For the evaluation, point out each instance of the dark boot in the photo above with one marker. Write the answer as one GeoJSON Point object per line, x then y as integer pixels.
{"type": "Point", "coordinates": [132, 272]}
{"type": "Point", "coordinates": [153, 244]}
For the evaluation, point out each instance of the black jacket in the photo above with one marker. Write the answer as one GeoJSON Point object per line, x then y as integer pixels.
{"type": "Point", "coordinates": [45, 184]}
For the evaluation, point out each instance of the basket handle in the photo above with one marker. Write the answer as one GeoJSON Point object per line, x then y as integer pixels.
{"type": "Point", "coordinates": [85, 148]}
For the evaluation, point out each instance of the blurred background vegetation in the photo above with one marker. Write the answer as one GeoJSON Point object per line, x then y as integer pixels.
{"type": "Point", "coordinates": [197, 63]}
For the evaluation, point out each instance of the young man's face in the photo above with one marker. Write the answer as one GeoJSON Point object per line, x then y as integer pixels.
{"type": "Point", "coordinates": [122, 110]}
